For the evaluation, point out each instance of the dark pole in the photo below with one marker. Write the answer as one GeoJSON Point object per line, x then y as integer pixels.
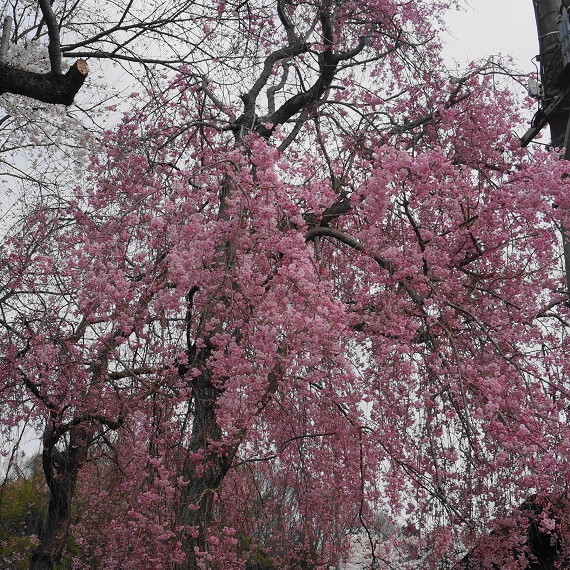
{"type": "Point", "coordinates": [548, 19]}
{"type": "Point", "coordinates": [555, 79]}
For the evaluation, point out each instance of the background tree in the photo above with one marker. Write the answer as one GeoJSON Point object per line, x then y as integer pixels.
{"type": "Point", "coordinates": [309, 251]}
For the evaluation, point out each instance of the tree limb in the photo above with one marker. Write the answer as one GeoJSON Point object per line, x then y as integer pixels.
{"type": "Point", "coordinates": [54, 48]}
{"type": "Point", "coordinates": [5, 41]}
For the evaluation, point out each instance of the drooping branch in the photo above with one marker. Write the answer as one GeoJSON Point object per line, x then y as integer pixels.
{"type": "Point", "coordinates": [45, 87]}
{"type": "Point", "coordinates": [351, 242]}
{"type": "Point", "coordinates": [358, 246]}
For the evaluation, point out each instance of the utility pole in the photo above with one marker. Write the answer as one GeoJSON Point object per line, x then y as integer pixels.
{"type": "Point", "coordinates": [554, 59]}
{"type": "Point", "coordinates": [553, 90]}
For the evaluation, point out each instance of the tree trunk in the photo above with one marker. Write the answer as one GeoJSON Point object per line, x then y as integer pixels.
{"type": "Point", "coordinates": [60, 469]}
{"type": "Point", "coordinates": [205, 474]}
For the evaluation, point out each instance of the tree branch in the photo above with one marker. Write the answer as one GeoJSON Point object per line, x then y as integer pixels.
{"type": "Point", "coordinates": [54, 48]}
{"type": "Point", "coordinates": [5, 42]}
{"type": "Point", "coordinates": [328, 63]}
{"type": "Point", "coordinates": [351, 242]}
{"type": "Point", "coordinates": [250, 97]}
{"type": "Point", "coordinates": [358, 246]}
{"type": "Point", "coordinates": [286, 22]}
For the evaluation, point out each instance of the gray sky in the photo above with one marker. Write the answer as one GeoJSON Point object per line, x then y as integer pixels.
{"type": "Point", "coordinates": [495, 27]}
{"type": "Point", "coordinates": [492, 27]}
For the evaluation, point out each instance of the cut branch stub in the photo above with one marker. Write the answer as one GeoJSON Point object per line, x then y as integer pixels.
{"type": "Point", "coordinates": [45, 87]}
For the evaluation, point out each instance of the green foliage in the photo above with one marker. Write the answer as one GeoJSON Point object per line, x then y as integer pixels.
{"type": "Point", "coordinates": [22, 505]}
{"type": "Point", "coordinates": [260, 560]}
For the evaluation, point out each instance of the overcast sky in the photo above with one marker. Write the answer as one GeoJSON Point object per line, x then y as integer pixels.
{"type": "Point", "coordinates": [492, 27]}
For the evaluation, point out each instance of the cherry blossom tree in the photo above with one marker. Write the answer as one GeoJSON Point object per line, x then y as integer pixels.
{"type": "Point", "coordinates": [311, 288]}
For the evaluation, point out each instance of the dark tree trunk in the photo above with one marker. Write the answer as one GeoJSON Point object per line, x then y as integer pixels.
{"type": "Point", "coordinates": [205, 475]}
{"type": "Point", "coordinates": [60, 470]}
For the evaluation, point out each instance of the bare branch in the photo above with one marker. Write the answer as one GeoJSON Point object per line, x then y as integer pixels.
{"type": "Point", "coordinates": [250, 97]}
{"type": "Point", "coordinates": [287, 23]}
